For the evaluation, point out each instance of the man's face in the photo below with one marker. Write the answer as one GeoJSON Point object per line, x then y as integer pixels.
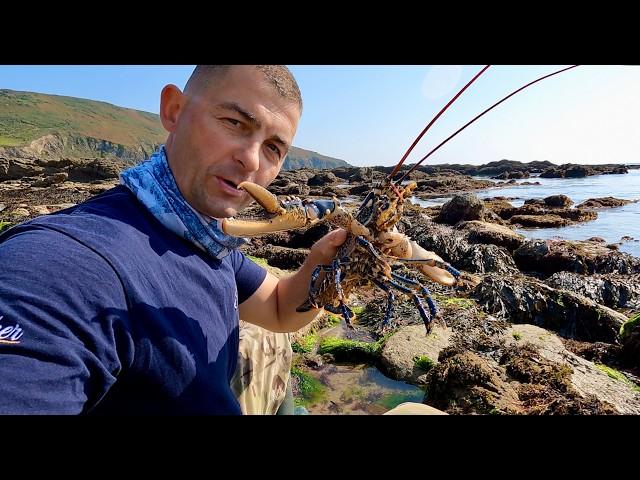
{"type": "Point", "coordinates": [234, 130]}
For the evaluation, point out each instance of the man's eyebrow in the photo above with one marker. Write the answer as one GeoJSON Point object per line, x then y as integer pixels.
{"type": "Point", "coordinates": [251, 118]}
{"type": "Point", "coordinates": [248, 116]}
{"type": "Point", "coordinates": [277, 139]}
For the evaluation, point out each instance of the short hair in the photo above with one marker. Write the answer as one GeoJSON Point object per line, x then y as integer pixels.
{"type": "Point", "coordinates": [279, 76]}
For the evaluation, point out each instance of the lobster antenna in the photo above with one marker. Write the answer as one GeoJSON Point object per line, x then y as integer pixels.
{"type": "Point", "coordinates": [397, 167]}
{"type": "Point", "coordinates": [477, 117]}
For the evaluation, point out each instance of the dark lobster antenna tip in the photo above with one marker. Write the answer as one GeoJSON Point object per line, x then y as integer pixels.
{"type": "Point", "coordinates": [415, 142]}
{"type": "Point", "coordinates": [478, 116]}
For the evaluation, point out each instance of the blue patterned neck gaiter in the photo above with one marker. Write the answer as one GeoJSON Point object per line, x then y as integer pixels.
{"type": "Point", "coordinates": [154, 185]}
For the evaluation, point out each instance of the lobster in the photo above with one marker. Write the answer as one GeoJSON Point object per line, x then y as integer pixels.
{"type": "Point", "coordinates": [373, 244]}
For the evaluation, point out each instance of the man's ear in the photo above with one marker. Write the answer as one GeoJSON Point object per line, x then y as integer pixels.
{"type": "Point", "coordinates": [171, 103]}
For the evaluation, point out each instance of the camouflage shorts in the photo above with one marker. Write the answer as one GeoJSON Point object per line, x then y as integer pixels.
{"type": "Point", "coordinates": [263, 371]}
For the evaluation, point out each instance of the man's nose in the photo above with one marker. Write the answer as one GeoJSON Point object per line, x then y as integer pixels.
{"type": "Point", "coordinates": [248, 154]}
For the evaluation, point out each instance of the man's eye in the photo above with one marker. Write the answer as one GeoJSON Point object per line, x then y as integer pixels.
{"type": "Point", "coordinates": [274, 148]}
{"type": "Point", "coordinates": [233, 121]}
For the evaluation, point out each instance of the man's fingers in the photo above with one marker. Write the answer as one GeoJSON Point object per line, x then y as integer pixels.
{"type": "Point", "coordinates": [326, 248]}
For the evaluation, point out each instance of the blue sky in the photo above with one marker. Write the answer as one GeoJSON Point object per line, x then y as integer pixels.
{"type": "Point", "coordinates": [369, 115]}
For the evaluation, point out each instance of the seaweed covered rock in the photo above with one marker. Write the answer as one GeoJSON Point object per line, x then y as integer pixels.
{"type": "Point", "coordinates": [491, 233]}
{"type": "Point", "coordinates": [610, 289]}
{"type": "Point", "coordinates": [281, 257]}
{"type": "Point", "coordinates": [521, 299]}
{"type": "Point", "coordinates": [465, 382]}
{"type": "Point", "coordinates": [630, 337]}
{"type": "Point", "coordinates": [551, 256]}
{"type": "Point", "coordinates": [452, 246]}
{"type": "Point", "coordinates": [587, 387]}
{"type": "Point", "coordinates": [529, 372]}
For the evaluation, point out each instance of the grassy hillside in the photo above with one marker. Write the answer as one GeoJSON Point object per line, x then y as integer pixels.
{"type": "Point", "coordinates": [300, 158]}
{"type": "Point", "coordinates": [26, 116]}
{"type": "Point", "coordinates": [75, 127]}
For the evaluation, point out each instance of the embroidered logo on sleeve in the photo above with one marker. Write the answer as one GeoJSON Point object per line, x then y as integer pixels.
{"type": "Point", "coordinates": [10, 334]}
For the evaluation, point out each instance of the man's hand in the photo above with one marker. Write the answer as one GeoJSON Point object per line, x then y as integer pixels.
{"type": "Point", "coordinates": [273, 305]}
{"type": "Point", "coordinates": [326, 248]}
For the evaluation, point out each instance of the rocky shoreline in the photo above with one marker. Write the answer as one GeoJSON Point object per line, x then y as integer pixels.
{"type": "Point", "coordinates": [540, 327]}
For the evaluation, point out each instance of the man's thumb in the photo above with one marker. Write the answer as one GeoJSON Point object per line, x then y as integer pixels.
{"type": "Point", "coordinates": [338, 237]}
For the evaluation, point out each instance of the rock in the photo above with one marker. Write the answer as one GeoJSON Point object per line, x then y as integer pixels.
{"type": "Point", "coordinates": [484, 232]}
{"type": "Point", "coordinates": [609, 289]}
{"type": "Point", "coordinates": [100, 188]}
{"type": "Point", "coordinates": [321, 179]}
{"type": "Point", "coordinates": [462, 207]}
{"type": "Point", "coordinates": [551, 256]}
{"type": "Point", "coordinates": [453, 247]}
{"type": "Point", "coordinates": [409, 342]}
{"type": "Point", "coordinates": [578, 172]}
{"type": "Point", "coordinates": [521, 299]}
{"type": "Point", "coordinates": [281, 257]}
{"type": "Point", "coordinates": [604, 202]}
{"type": "Point", "coordinates": [535, 201]}
{"type": "Point", "coordinates": [333, 191]}
{"type": "Point", "coordinates": [537, 213]}
{"type": "Point", "coordinates": [510, 175]}
{"type": "Point", "coordinates": [587, 379]}
{"type": "Point", "coordinates": [16, 168]}
{"type": "Point", "coordinates": [361, 175]}
{"type": "Point", "coordinates": [40, 210]}
{"type": "Point", "coordinates": [96, 169]}
{"type": "Point", "coordinates": [630, 337]}
{"type": "Point", "coordinates": [59, 206]}
{"type": "Point", "coordinates": [51, 180]}
{"type": "Point", "coordinates": [561, 201]}
{"type": "Point", "coordinates": [464, 382]}
{"type": "Point", "coordinates": [501, 207]}
{"type": "Point", "coordinates": [449, 182]}
{"type": "Point", "coordinates": [20, 212]}
{"type": "Point", "coordinates": [539, 221]}
{"type": "Point", "coordinates": [359, 189]}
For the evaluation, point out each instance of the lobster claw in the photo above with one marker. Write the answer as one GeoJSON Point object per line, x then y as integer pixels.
{"type": "Point", "coordinates": [435, 267]}
{"type": "Point", "coordinates": [406, 250]}
{"type": "Point", "coordinates": [287, 215]}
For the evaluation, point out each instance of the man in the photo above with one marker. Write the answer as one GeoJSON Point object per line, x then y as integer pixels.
{"type": "Point", "coordinates": [129, 302]}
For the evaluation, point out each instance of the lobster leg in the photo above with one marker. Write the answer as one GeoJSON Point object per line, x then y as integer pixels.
{"type": "Point", "coordinates": [343, 310]}
{"type": "Point", "coordinates": [424, 290]}
{"type": "Point", "coordinates": [347, 313]}
{"type": "Point", "coordinates": [313, 288]}
{"type": "Point", "coordinates": [416, 300]}
{"type": "Point", "coordinates": [334, 274]}
{"type": "Point", "coordinates": [390, 301]}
